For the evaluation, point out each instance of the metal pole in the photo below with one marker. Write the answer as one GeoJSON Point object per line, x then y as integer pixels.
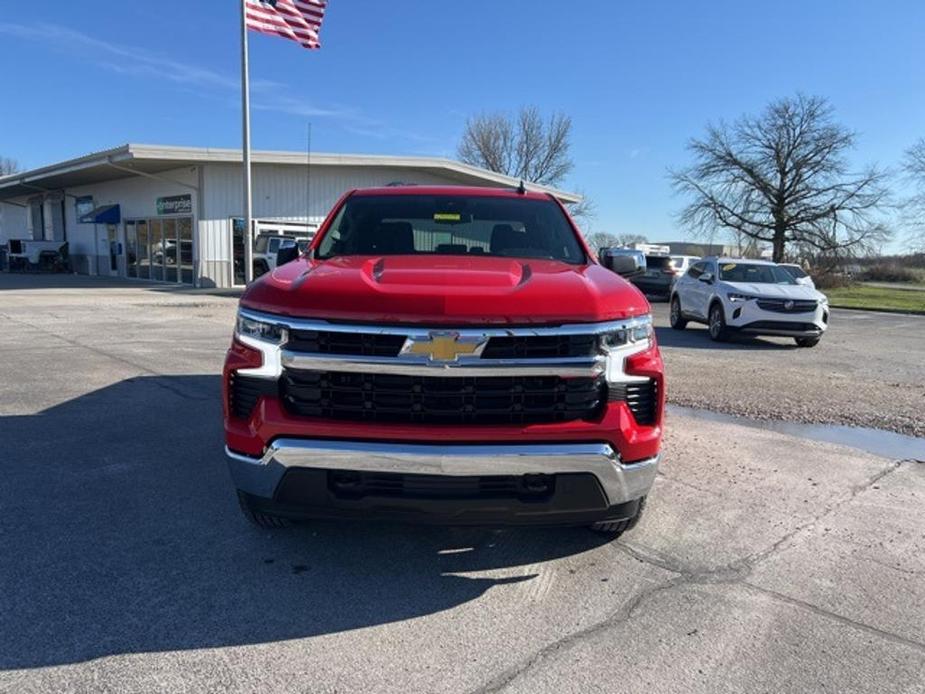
{"type": "Point", "coordinates": [246, 111]}
{"type": "Point", "coordinates": [308, 175]}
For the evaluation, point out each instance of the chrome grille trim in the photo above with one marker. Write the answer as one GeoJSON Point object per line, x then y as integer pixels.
{"type": "Point", "coordinates": [566, 367]}
{"type": "Point", "coordinates": [423, 331]}
{"type": "Point", "coordinates": [277, 357]}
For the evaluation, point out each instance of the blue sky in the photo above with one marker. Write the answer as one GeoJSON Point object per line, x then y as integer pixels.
{"type": "Point", "coordinates": [400, 77]}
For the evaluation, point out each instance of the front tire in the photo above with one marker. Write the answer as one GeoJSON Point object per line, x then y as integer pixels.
{"type": "Point", "coordinates": [261, 519]}
{"type": "Point", "coordinates": [675, 317]}
{"type": "Point", "coordinates": [717, 324]}
{"type": "Point", "coordinates": [807, 341]}
{"type": "Point", "coordinates": [615, 529]}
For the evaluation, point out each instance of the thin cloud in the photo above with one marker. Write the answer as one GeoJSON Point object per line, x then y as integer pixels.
{"type": "Point", "coordinates": [131, 60]}
{"type": "Point", "coordinates": [267, 95]}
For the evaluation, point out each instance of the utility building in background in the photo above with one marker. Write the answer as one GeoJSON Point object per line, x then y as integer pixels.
{"type": "Point", "coordinates": [175, 214]}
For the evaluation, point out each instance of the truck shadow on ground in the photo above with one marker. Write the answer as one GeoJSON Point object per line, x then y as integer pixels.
{"type": "Point", "coordinates": [120, 534]}
{"type": "Point", "coordinates": [696, 337]}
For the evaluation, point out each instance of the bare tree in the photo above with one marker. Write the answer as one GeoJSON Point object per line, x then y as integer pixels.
{"type": "Point", "coordinates": [523, 146]}
{"type": "Point", "coordinates": [630, 239]}
{"type": "Point", "coordinates": [601, 239]}
{"type": "Point", "coordinates": [583, 212]}
{"type": "Point", "coordinates": [782, 177]}
{"type": "Point", "coordinates": [914, 167]}
{"type": "Point", "coordinates": [8, 166]}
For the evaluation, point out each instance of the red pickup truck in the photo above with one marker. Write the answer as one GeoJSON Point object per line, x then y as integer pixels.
{"type": "Point", "coordinates": [444, 354]}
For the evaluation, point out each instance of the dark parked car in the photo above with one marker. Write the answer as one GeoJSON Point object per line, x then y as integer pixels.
{"type": "Point", "coordinates": [658, 278]}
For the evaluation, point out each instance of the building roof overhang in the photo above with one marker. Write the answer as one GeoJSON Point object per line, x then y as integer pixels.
{"type": "Point", "coordinates": [141, 160]}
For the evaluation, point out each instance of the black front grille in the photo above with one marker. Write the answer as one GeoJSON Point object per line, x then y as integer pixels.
{"type": "Point", "coordinates": [386, 484]}
{"type": "Point", "coordinates": [441, 400]}
{"type": "Point", "coordinates": [356, 344]}
{"type": "Point", "coordinates": [641, 397]}
{"type": "Point", "coordinates": [779, 306]}
{"type": "Point", "coordinates": [540, 347]}
{"type": "Point", "coordinates": [387, 345]}
{"type": "Point", "coordinates": [245, 391]}
{"type": "Point", "coordinates": [781, 325]}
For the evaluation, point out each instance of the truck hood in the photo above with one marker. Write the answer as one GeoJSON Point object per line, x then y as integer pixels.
{"type": "Point", "coordinates": [445, 290]}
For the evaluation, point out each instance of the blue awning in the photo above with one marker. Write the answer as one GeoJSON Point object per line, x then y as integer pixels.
{"type": "Point", "coordinates": [107, 214]}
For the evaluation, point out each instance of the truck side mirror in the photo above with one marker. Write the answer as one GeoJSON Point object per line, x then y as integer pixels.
{"type": "Point", "coordinates": [623, 262]}
{"type": "Point", "coordinates": [287, 253]}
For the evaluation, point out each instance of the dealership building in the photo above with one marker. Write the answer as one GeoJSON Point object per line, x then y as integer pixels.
{"type": "Point", "coordinates": [174, 214]}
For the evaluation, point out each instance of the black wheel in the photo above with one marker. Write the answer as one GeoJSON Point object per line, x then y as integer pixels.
{"type": "Point", "coordinates": [807, 341]}
{"type": "Point", "coordinates": [675, 318]}
{"type": "Point", "coordinates": [616, 528]}
{"type": "Point", "coordinates": [717, 324]}
{"type": "Point", "coordinates": [259, 518]}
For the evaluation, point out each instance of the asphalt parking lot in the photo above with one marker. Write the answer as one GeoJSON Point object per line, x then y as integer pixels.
{"type": "Point", "coordinates": [765, 562]}
{"type": "Point", "coordinates": [868, 370]}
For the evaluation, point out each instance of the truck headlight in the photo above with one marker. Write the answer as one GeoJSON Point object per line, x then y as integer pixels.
{"type": "Point", "coordinates": [638, 331]}
{"type": "Point", "coordinates": [260, 330]}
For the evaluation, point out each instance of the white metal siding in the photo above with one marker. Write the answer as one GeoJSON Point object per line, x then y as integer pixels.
{"type": "Point", "coordinates": [136, 196]}
{"type": "Point", "coordinates": [14, 221]}
{"type": "Point", "coordinates": [280, 193]}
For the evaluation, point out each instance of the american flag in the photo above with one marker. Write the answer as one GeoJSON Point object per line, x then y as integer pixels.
{"type": "Point", "coordinates": [299, 20]}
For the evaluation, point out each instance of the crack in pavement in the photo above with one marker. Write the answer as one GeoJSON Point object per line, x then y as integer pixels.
{"type": "Point", "coordinates": [887, 635]}
{"type": "Point", "coordinates": [735, 573]}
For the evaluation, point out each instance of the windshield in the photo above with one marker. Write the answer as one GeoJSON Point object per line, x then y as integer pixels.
{"type": "Point", "coordinates": [657, 262]}
{"type": "Point", "coordinates": [754, 273]}
{"type": "Point", "coordinates": [795, 271]}
{"type": "Point", "coordinates": [451, 225]}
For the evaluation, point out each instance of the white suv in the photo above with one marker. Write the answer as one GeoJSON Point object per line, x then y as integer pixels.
{"type": "Point", "coordinates": [748, 296]}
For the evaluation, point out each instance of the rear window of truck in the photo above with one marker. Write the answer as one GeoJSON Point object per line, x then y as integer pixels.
{"type": "Point", "coordinates": [451, 225]}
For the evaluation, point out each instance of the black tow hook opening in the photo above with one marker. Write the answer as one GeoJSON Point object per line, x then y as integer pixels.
{"type": "Point", "coordinates": [537, 484]}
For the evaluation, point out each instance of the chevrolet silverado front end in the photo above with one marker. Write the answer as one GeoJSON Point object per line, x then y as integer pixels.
{"type": "Point", "coordinates": [444, 354]}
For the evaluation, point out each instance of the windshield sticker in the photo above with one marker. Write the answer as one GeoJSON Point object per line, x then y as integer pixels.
{"type": "Point", "coordinates": [446, 216]}
{"type": "Point", "coordinates": [728, 266]}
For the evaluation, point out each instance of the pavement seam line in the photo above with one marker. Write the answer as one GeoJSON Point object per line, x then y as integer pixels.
{"type": "Point", "coordinates": [623, 614]}
{"type": "Point", "coordinates": [853, 493]}
{"type": "Point", "coordinates": [734, 573]}
{"type": "Point", "coordinates": [847, 621]}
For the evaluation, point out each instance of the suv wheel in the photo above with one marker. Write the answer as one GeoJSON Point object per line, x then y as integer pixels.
{"type": "Point", "coordinates": [259, 518]}
{"type": "Point", "coordinates": [616, 528]}
{"type": "Point", "coordinates": [675, 318]}
{"type": "Point", "coordinates": [807, 341]}
{"type": "Point", "coordinates": [717, 323]}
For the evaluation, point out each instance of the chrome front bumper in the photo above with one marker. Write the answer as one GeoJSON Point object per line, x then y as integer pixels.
{"type": "Point", "coordinates": [621, 483]}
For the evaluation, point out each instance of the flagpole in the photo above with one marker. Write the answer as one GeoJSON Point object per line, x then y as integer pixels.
{"type": "Point", "coordinates": [246, 149]}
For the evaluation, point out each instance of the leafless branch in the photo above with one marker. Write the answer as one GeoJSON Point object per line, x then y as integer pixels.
{"type": "Point", "coordinates": [782, 178]}
{"type": "Point", "coordinates": [8, 166]}
{"type": "Point", "coordinates": [524, 146]}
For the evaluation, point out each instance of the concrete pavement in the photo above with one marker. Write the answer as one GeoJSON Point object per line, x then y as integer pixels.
{"type": "Point", "coordinates": [765, 562]}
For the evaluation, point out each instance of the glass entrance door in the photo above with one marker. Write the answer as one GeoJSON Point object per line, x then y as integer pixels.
{"type": "Point", "coordinates": [157, 253]}
{"type": "Point", "coordinates": [237, 250]}
{"type": "Point", "coordinates": [131, 249]}
{"type": "Point", "coordinates": [144, 249]}
{"type": "Point", "coordinates": [185, 249]}
{"type": "Point", "coordinates": [171, 249]}
{"type": "Point", "coordinates": [112, 238]}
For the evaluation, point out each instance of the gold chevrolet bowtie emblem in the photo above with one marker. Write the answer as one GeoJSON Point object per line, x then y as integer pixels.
{"type": "Point", "coordinates": [444, 346]}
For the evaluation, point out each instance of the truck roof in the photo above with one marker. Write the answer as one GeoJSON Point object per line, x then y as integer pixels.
{"type": "Point", "coordinates": [470, 191]}
{"type": "Point", "coordinates": [727, 259]}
